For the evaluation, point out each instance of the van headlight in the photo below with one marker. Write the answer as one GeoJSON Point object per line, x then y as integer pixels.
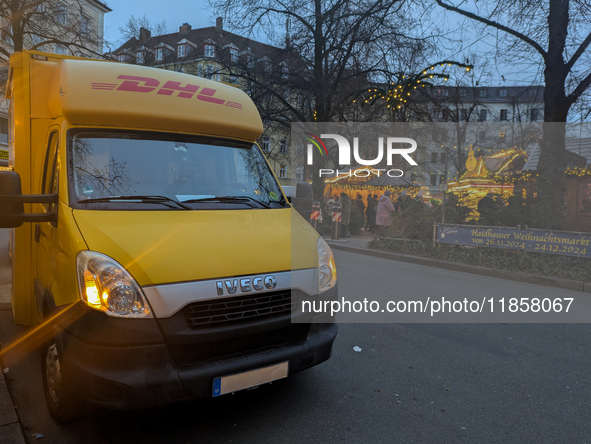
{"type": "Point", "coordinates": [327, 270]}
{"type": "Point", "coordinates": [108, 287]}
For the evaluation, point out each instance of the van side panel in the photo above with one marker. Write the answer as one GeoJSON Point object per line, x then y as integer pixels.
{"type": "Point", "coordinates": [24, 305]}
{"type": "Point", "coordinates": [66, 244]}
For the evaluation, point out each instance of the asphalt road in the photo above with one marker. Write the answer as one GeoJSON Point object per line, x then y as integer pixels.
{"type": "Point", "coordinates": [410, 383]}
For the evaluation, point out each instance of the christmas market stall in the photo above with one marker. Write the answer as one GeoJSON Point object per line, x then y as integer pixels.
{"type": "Point", "coordinates": [365, 180]}
{"type": "Point", "coordinates": [578, 181]}
{"type": "Point", "coordinates": [487, 174]}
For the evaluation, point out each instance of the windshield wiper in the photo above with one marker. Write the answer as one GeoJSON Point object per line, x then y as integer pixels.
{"type": "Point", "coordinates": [141, 199]}
{"type": "Point", "coordinates": [229, 199]}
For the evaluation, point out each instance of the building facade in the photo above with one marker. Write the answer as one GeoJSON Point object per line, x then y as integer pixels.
{"type": "Point", "coordinates": [73, 27]}
{"type": "Point", "coordinates": [488, 120]}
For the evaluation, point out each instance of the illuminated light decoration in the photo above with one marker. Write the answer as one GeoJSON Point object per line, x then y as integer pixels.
{"type": "Point", "coordinates": [412, 189]}
{"type": "Point", "coordinates": [578, 172]}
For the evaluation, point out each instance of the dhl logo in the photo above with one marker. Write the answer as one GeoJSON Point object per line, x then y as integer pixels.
{"type": "Point", "coordinates": [148, 84]}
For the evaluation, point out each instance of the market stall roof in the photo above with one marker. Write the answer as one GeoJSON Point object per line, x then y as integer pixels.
{"type": "Point", "coordinates": [578, 153]}
{"type": "Point", "coordinates": [386, 181]}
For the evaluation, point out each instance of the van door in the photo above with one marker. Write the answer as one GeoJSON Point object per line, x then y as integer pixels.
{"type": "Point", "coordinates": [46, 266]}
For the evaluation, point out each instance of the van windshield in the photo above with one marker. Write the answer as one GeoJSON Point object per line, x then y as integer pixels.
{"type": "Point", "coordinates": [124, 170]}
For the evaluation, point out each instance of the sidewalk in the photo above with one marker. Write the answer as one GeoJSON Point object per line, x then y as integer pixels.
{"type": "Point", "coordinates": [10, 428]}
{"type": "Point", "coordinates": [358, 244]}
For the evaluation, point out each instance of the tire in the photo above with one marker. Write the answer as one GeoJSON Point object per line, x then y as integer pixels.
{"type": "Point", "coordinates": [63, 405]}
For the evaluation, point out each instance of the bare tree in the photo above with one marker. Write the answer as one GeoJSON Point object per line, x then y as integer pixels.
{"type": "Point", "coordinates": [32, 24]}
{"type": "Point", "coordinates": [555, 34]}
{"type": "Point", "coordinates": [332, 50]}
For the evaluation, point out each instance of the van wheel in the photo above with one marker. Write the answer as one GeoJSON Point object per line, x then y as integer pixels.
{"type": "Point", "coordinates": [63, 405]}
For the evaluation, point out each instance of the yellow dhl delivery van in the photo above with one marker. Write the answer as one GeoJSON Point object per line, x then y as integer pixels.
{"type": "Point", "coordinates": [152, 238]}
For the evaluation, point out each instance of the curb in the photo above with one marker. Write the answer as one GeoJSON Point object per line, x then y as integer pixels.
{"type": "Point", "coordinates": [10, 427]}
{"type": "Point", "coordinates": [535, 279]}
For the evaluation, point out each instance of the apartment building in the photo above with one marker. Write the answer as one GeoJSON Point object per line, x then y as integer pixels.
{"type": "Point", "coordinates": [223, 56]}
{"type": "Point", "coordinates": [487, 119]}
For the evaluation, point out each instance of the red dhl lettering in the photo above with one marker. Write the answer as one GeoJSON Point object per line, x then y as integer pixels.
{"type": "Point", "coordinates": [148, 85]}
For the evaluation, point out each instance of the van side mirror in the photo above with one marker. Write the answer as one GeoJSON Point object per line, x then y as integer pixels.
{"type": "Point", "coordinates": [12, 210]}
{"type": "Point", "coordinates": [303, 200]}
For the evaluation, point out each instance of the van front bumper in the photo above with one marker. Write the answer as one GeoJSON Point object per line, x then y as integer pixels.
{"type": "Point", "coordinates": [140, 375]}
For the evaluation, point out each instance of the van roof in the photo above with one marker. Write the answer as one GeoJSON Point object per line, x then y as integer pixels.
{"type": "Point", "coordinates": [99, 93]}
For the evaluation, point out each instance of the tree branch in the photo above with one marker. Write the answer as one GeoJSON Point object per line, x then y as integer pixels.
{"type": "Point", "coordinates": [494, 24]}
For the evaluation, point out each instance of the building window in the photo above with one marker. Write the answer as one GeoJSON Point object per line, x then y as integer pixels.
{"type": "Point", "coordinates": [139, 57]}
{"type": "Point", "coordinates": [482, 114]}
{"type": "Point", "coordinates": [209, 71]}
{"type": "Point", "coordinates": [299, 173]}
{"type": "Point", "coordinates": [535, 114]}
{"type": "Point", "coordinates": [159, 54]}
{"type": "Point", "coordinates": [233, 55]}
{"type": "Point", "coordinates": [442, 179]}
{"type": "Point", "coordinates": [282, 169]}
{"type": "Point", "coordinates": [85, 26]}
{"type": "Point", "coordinates": [433, 157]}
{"type": "Point", "coordinates": [413, 177]}
{"type": "Point", "coordinates": [502, 135]}
{"type": "Point", "coordinates": [502, 93]}
{"type": "Point", "coordinates": [61, 13]}
{"type": "Point", "coordinates": [283, 146]}
{"type": "Point", "coordinates": [463, 115]}
{"type": "Point", "coordinates": [504, 115]}
{"type": "Point", "coordinates": [442, 158]}
{"type": "Point", "coordinates": [120, 57]}
{"type": "Point", "coordinates": [433, 178]}
{"type": "Point", "coordinates": [481, 135]}
{"type": "Point", "coordinates": [181, 50]}
{"type": "Point", "coordinates": [482, 93]}
{"type": "Point", "coordinates": [463, 93]}
{"type": "Point", "coordinates": [209, 51]}
{"type": "Point", "coordinates": [266, 144]}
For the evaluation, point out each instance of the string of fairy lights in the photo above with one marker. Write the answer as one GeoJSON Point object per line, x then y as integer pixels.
{"type": "Point", "coordinates": [400, 88]}
{"type": "Point", "coordinates": [394, 189]}
{"type": "Point", "coordinates": [525, 176]}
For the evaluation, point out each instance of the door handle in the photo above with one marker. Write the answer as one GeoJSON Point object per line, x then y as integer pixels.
{"type": "Point", "coordinates": [37, 232]}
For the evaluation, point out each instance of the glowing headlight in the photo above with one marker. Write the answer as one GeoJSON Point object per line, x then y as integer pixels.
{"type": "Point", "coordinates": [327, 276]}
{"type": "Point", "coordinates": [108, 287]}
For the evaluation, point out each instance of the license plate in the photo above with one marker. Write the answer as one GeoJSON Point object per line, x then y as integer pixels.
{"type": "Point", "coordinates": [250, 379]}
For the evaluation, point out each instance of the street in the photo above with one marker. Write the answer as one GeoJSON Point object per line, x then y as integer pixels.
{"type": "Point", "coordinates": [431, 383]}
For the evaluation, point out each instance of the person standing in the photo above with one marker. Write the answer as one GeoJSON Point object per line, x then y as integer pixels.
{"type": "Point", "coordinates": [346, 214]}
{"type": "Point", "coordinates": [487, 209]}
{"type": "Point", "coordinates": [370, 212]}
{"type": "Point", "coordinates": [358, 202]}
{"type": "Point", "coordinates": [384, 213]}
{"type": "Point", "coordinates": [403, 201]}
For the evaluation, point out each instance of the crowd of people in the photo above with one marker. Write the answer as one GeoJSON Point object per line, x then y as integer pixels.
{"type": "Point", "coordinates": [378, 211]}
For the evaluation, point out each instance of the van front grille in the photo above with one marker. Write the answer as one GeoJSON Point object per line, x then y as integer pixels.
{"type": "Point", "coordinates": [241, 345]}
{"type": "Point", "coordinates": [233, 310]}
